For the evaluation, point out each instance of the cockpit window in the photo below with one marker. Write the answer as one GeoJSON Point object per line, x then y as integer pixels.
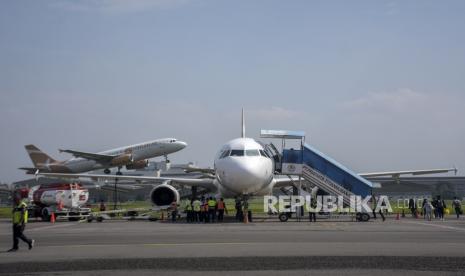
{"type": "Point", "coordinates": [172, 141]}
{"type": "Point", "coordinates": [263, 153]}
{"type": "Point", "coordinates": [225, 154]}
{"type": "Point", "coordinates": [252, 152]}
{"type": "Point", "coordinates": [237, 153]}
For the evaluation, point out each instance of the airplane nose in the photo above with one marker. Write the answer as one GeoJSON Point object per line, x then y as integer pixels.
{"type": "Point", "coordinates": [182, 144]}
{"type": "Point", "coordinates": [247, 177]}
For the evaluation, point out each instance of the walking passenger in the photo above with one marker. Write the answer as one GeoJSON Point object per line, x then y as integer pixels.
{"type": "Point", "coordinates": [457, 206]}
{"type": "Point", "coordinates": [441, 205]}
{"type": "Point", "coordinates": [435, 208]}
{"type": "Point", "coordinates": [412, 206]}
{"type": "Point", "coordinates": [427, 209]}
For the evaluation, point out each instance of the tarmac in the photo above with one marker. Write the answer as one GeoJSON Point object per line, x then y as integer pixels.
{"type": "Point", "coordinates": [407, 246]}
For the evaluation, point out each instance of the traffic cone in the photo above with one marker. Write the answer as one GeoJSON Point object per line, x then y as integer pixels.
{"type": "Point", "coordinates": [52, 217]}
{"type": "Point", "coordinates": [398, 216]}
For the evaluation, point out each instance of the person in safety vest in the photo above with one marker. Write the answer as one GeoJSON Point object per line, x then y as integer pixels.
{"type": "Point", "coordinates": [20, 216]}
{"type": "Point", "coordinates": [211, 208]}
{"type": "Point", "coordinates": [221, 209]}
{"type": "Point", "coordinates": [188, 210]}
{"type": "Point", "coordinates": [196, 206]}
{"type": "Point", "coordinates": [174, 210]}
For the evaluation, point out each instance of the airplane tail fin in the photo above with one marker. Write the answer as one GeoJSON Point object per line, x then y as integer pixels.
{"type": "Point", "coordinates": [243, 124]}
{"type": "Point", "coordinates": [38, 157]}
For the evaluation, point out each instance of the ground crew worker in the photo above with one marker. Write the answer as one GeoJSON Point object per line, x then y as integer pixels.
{"type": "Point", "coordinates": [188, 209]}
{"type": "Point", "coordinates": [312, 211]}
{"type": "Point", "coordinates": [206, 216]}
{"type": "Point", "coordinates": [196, 209]}
{"type": "Point", "coordinates": [202, 217]}
{"type": "Point", "coordinates": [239, 213]}
{"type": "Point", "coordinates": [211, 209]}
{"type": "Point", "coordinates": [20, 216]}
{"type": "Point", "coordinates": [221, 209]}
{"type": "Point", "coordinates": [174, 210]}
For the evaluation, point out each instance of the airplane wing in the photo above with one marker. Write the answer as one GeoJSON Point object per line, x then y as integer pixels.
{"type": "Point", "coordinates": [90, 155]}
{"type": "Point", "coordinates": [201, 170]}
{"type": "Point", "coordinates": [397, 174]}
{"type": "Point", "coordinates": [206, 183]}
{"type": "Point", "coordinates": [29, 170]}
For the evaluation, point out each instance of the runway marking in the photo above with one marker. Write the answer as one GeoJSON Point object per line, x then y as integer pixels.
{"type": "Point", "coordinates": [150, 244]}
{"type": "Point", "coordinates": [200, 243]}
{"type": "Point", "coordinates": [51, 226]}
{"type": "Point", "coordinates": [437, 225]}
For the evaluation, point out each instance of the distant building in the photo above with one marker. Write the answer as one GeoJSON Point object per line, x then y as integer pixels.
{"type": "Point", "coordinates": [446, 187]}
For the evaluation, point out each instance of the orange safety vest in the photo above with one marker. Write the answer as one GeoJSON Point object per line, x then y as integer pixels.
{"type": "Point", "coordinates": [220, 205]}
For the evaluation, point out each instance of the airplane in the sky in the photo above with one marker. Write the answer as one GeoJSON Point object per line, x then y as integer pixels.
{"type": "Point", "coordinates": [242, 168]}
{"type": "Point", "coordinates": [132, 157]}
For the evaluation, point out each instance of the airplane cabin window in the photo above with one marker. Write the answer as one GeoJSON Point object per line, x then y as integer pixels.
{"type": "Point", "coordinates": [225, 154]}
{"type": "Point", "coordinates": [252, 153]}
{"type": "Point", "coordinates": [237, 153]}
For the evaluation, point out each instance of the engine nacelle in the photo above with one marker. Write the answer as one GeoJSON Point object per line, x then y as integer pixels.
{"type": "Point", "coordinates": [122, 160]}
{"type": "Point", "coordinates": [164, 195]}
{"type": "Point", "coordinates": [137, 165]}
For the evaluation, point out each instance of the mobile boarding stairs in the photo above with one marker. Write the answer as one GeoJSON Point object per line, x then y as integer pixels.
{"type": "Point", "coordinates": [316, 168]}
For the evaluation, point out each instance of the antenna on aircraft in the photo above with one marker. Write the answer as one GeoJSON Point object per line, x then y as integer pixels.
{"type": "Point", "coordinates": [243, 124]}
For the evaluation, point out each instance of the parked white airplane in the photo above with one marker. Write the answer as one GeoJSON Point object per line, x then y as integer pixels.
{"type": "Point", "coordinates": [242, 168]}
{"type": "Point", "coordinates": [133, 157]}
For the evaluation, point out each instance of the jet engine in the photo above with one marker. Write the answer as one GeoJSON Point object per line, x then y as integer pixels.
{"type": "Point", "coordinates": [137, 165]}
{"type": "Point", "coordinates": [122, 159]}
{"type": "Point", "coordinates": [164, 195]}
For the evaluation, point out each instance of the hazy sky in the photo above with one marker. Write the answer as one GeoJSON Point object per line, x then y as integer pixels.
{"type": "Point", "coordinates": [377, 85]}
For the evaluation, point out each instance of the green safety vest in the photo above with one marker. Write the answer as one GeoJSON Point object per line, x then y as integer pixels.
{"type": "Point", "coordinates": [212, 203]}
{"type": "Point", "coordinates": [20, 213]}
{"type": "Point", "coordinates": [188, 207]}
{"type": "Point", "coordinates": [196, 205]}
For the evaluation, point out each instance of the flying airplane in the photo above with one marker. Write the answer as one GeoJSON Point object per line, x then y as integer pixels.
{"type": "Point", "coordinates": [242, 168]}
{"type": "Point", "coordinates": [133, 157]}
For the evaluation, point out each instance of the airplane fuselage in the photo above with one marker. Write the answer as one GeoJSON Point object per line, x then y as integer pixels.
{"type": "Point", "coordinates": [243, 168]}
{"type": "Point", "coordinates": [138, 152]}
